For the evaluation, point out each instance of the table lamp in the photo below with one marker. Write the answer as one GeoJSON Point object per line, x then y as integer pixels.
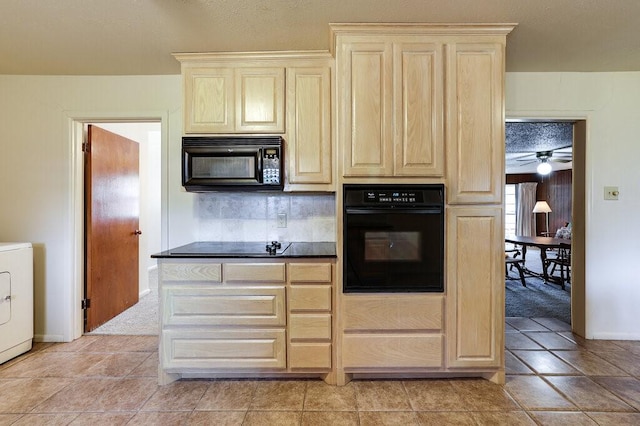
{"type": "Point", "coordinates": [543, 207]}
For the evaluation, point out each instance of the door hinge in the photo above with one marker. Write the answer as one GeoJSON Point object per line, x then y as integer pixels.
{"type": "Point", "coordinates": [86, 303]}
{"type": "Point", "coordinates": [86, 147]}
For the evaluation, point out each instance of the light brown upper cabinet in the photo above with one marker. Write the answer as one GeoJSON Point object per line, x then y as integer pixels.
{"type": "Point", "coordinates": [475, 122]}
{"type": "Point", "coordinates": [309, 153]}
{"type": "Point", "coordinates": [233, 100]}
{"type": "Point", "coordinates": [390, 119]}
{"type": "Point", "coordinates": [284, 92]}
{"type": "Point", "coordinates": [422, 100]}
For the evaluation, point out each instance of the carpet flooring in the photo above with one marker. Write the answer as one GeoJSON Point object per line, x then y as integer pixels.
{"type": "Point", "coordinates": [538, 299]}
{"type": "Point", "coordinates": [139, 320]}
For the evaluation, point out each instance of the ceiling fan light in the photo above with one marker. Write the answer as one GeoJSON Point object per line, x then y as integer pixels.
{"type": "Point", "coordinates": [544, 168]}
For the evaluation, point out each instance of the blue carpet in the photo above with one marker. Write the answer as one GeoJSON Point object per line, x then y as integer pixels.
{"type": "Point", "coordinates": [538, 299]}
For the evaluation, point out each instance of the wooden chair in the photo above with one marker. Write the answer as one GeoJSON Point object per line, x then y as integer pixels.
{"type": "Point", "coordinates": [511, 262]}
{"type": "Point", "coordinates": [562, 262]}
{"type": "Point", "coordinates": [513, 252]}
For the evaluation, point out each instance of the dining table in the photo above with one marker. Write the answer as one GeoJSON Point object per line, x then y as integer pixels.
{"type": "Point", "coordinates": [543, 243]}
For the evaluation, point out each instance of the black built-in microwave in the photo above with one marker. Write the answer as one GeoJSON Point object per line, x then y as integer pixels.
{"type": "Point", "coordinates": [232, 163]}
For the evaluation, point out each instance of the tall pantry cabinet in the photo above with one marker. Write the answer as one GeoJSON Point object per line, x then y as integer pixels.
{"type": "Point", "coordinates": [423, 103]}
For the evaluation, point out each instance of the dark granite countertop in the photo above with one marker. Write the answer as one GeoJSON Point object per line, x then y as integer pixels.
{"type": "Point", "coordinates": [240, 250]}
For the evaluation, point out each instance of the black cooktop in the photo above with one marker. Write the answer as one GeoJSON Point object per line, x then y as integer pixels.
{"type": "Point", "coordinates": [226, 248]}
{"type": "Point", "coordinates": [231, 249]}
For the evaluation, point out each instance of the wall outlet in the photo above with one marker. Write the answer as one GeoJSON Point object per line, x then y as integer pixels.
{"type": "Point", "coordinates": [611, 193]}
{"type": "Point", "coordinates": [282, 220]}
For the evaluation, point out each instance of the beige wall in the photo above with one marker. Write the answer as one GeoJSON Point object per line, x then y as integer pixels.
{"type": "Point", "coordinates": [39, 182]}
{"type": "Point", "coordinates": [39, 178]}
{"type": "Point", "coordinates": [609, 103]}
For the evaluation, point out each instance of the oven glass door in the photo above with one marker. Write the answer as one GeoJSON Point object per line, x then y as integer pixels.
{"type": "Point", "coordinates": [393, 250]}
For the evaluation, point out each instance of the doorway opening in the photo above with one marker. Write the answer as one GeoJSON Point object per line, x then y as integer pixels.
{"type": "Point", "coordinates": [149, 134]}
{"type": "Point", "coordinates": [560, 142]}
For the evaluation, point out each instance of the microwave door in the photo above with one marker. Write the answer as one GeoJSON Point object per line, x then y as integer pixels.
{"type": "Point", "coordinates": [241, 167]}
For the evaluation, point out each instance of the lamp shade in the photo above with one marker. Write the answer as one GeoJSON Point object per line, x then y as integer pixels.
{"type": "Point", "coordinates": [541, 207]}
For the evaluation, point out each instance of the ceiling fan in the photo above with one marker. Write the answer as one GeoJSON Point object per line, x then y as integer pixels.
{"type": "Point", "coordinates": [545, 157]}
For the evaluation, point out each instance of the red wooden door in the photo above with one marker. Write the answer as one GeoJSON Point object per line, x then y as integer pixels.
{"type": "Point", "coordinates": [111, 225]}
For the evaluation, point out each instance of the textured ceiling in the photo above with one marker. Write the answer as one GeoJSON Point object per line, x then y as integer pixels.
{"type": "Point", "coordinates": [526, 139]}
{"type": "Point", "coordinates": [537, 136]}
{"type": "Point", "coordinates": [112, 37]}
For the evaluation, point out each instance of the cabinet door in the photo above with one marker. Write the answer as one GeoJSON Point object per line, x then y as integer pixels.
{"type": "Point", "coordinates": [475, 287]}
{"type": "Point", "coordinates": [475, 123]}
{"type": "Point", "coordinates": [309, 125]}
{"type": "Point", "coordinates": [397, 350]}
{"type": "Point", "coordinates": [223, 350]}
{"type": "Point", "coordinates": [365, 82]}
{"type": "Point", "coordinates": [254, 272]}
{"type": "Point", "coordinates": [418, 102]}
{"type": "Point", "coordinates": [228, 306]}
{"type": "Point", "coordinates": [310, 273]}
{"type": "Point", "coordinates": [209, 100]}
{"type": "Point", "coordinates": [260, 100]}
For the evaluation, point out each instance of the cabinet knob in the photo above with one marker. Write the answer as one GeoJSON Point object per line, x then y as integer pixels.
{"type": "Point", "coordinates": [137, 232]}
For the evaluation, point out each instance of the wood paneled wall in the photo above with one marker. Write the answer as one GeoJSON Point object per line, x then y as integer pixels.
{"type": "Point", "coordinates": [555, 189]}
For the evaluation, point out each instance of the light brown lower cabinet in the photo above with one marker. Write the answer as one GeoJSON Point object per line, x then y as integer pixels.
{"type": "Point", "coordinates": [475, 295]}
{"type": "Point", "coordinates": [223, 318]}
{"type": "Point", "coordinates": [223, 349]}
{"type": "Point", "coordinates": [392, 331]}
{"type": "Point", "coordinates": [391, 351]}
{"type": "Point", "coordinates": [310, 355]}
{"type": "Point", "coordinates": [414, 335]}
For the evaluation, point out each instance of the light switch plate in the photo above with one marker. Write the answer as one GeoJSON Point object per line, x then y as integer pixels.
{"type": "Point", "coordinates": [611, 193]}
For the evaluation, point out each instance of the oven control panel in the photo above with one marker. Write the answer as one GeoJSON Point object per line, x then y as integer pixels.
{"type": "Point", "coordinates": [393, 197]}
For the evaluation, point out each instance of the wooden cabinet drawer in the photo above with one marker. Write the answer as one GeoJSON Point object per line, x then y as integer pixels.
{"type": "Point", "coordinates": [263, 306]}
{"type": "Point", "coordinates": [310, 326]}
{"type": "Point", "coordinates": [196, 271]}
{"type": "Point", "coordinates": [310, 355]}
{"type": "Point", "coordinates": [310, 298]}
{"type": "Point", "coordinates": [254, 272]}
{"type": "Point", "coordinates": [310, 272]}
{"type": "Point", "coordinates": [223, 349]}
{"type": "Point", "coordinates": [391, 350]}
{"type": "Point", "coordinates": [393, 312]}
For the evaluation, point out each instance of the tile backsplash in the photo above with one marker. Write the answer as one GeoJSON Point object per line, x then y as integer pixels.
{"type": "Point", "coordinates": [254, 217]}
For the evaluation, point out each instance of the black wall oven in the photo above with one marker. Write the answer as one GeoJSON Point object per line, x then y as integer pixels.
{"type": "Point", "coordinates": [393, 238]}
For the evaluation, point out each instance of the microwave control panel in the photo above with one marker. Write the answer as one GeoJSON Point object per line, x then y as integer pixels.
{"type": "Point", "coordinates": [271, 166]}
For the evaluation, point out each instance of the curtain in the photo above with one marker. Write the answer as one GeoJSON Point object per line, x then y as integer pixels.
{"type": "Point", "coordinates": [525, 200]}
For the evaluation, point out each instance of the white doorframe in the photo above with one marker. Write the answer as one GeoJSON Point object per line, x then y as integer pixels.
{"type": "Point", "coordinates": [74, 292]}
{"type": "Point", "coordinates": [578, 291]}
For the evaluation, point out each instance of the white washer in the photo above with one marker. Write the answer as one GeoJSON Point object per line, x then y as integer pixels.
{"type": "Point", "coordinates": [16, 299]}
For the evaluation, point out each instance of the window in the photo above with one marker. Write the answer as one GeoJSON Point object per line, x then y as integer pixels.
{"type": "Point", "coordinates": [510, 210]}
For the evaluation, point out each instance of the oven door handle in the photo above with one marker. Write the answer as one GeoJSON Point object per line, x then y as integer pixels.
{"type": "Point", "coordinates": [396, 210]}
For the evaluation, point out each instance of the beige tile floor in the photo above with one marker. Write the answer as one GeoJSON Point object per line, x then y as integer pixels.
{"type": "Point", "coordinates": [553, 378]}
